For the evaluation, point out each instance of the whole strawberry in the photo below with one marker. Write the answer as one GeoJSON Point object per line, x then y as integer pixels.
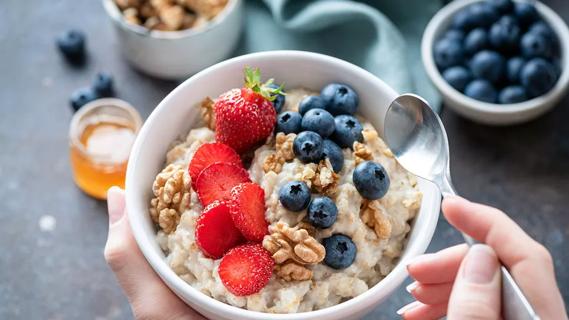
{"type": "Point", "coordinates": [245, 117]}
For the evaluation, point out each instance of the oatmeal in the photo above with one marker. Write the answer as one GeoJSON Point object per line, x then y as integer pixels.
{"type": "Point", "coordinates": [305, 276]}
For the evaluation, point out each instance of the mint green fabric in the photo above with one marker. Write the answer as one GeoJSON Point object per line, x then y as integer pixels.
{"type": "Point", "coordinates": [382, 36]}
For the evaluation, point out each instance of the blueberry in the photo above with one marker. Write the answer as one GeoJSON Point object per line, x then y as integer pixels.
{"type": "Point", "coordinates": [505, 34]}
{"type": "Point", "coordinates": [289, 122]}
{"type": "Point", "coordinates": [334, 153]}
{"type": "Point", "coordinates": [457, 77]}
{"type": "Point", "coordinates": [340, 251]}
{"type": "Point", "coordinates": [82, 96]}
{"type": "Point", "coordinates": [514, 66]}
{"type": "Point", "coordinates": [294, 195]}
{"type": "Point", "coordinates": [538, 76]}
{"type": "Point", "coordinates": [488, 65]}
{"type": "Point", "coordinates": [311, 102]}
{"type": "Point", "coordinates": [322, 212]}
{"type": "Point", "coordinates": [526, 13]}
{"type": "Point", "coordinates": [462, 20]}
{"type": "Point", "coordinates": [319, 121]}
{"type": "Point", "coordinates": [348, 130]}
{"type": "Point", "coordinates": [512, 94]}
{"type": "Point", "coordinates": [448, 53]}
{"type": "Point", "coordinates": [371, 180]}
{"type": "Point", "coordinates": [72, 45]}
{"type": "Point", "coordinates": [543, 29]}
{"type": "Point", "coordinates": [535, 45]}
{"type": "Point", "coordinates": [475, 41]}
{"type": "Point", "coordinates": [481, 90]}
{"type": "Point", "coordinates": [503, 6]}
{"type": "Point", "coordinates": [340, 99]}
{"type": "Point", "coordinates": [483, 14]}
{"type": "Point", "coordinates": [103, 84]}
{"type": "Point", "coordinates": [279, 101]}
{"type": "Point", "coordinates": [307, 146]}
{"type": "Point", "coordinates": [454, 34]}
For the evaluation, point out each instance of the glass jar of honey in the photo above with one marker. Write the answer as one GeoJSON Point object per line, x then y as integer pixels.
{"type": "Point", "coordinates": [100, 138]}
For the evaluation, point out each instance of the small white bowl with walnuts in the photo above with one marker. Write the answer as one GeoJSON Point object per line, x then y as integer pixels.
{"type": "Point", "coordinates": [173, 39]}
{"type": "Point", "coordinates": [241, 218]}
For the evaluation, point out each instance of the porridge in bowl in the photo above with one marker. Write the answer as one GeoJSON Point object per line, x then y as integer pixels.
{"type": "Point", "coordinates": [283, 202]}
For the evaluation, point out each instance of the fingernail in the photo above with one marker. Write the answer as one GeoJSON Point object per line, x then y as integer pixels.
{"type": "Point", "coordinates": [421, 258]}
{"type": "Point", "coordinates": [412, 286]}
{"type": "Point", "coordinates": [480, 265]}
{"type": "Point", "coordinates": [114, 195]}
{"type": "Point", "coordinates": [408, 307]}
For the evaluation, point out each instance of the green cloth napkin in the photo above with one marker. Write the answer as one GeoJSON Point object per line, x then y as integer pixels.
{"type": "Point", "coordinates": [382, 36]}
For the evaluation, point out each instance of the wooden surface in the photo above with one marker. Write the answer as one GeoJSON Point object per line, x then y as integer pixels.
{"type": "Point", "coordinates": [57, 271]}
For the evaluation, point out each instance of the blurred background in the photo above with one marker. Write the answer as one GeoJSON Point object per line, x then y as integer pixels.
{"type": "Point", "coordinates": [52, 234]}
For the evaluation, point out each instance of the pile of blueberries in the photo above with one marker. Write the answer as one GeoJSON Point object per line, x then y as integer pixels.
{"type": "Point", "coordinates": [499, 51]}
{"type": "Point", "coordinates": [324, 125]}
{"type": "Point", "coordinates": [71, 44]}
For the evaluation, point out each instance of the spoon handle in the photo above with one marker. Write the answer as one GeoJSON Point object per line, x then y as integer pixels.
{"type": "Point", "coordinates": [515, 306]}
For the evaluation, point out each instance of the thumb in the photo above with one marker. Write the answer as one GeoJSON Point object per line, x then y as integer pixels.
{"type": "Point", "coordinates": [476, 290]}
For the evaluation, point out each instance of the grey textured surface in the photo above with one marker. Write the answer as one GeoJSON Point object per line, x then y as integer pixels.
{"type": "Point", "coordinates": [60, 273]}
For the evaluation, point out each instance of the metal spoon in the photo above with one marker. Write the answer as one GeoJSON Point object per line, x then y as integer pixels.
{"type": "Point", "coordinates": [417, 138]}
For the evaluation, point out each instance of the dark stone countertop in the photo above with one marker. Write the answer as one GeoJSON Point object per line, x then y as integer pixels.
{"type": "Point", "coordinates": [59, 272]}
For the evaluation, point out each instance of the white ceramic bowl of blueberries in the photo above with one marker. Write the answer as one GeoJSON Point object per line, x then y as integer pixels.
{"type": "Point", "coordinates": [498, 62]}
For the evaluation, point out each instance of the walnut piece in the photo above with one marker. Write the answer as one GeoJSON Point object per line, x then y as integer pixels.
{"type": "Point", "coordinates": [206, 8]}
{"type": "Point", "coordinates": [172, 16]}
{"type": "Point", "coordinates": [208, 113]}
{"type": "Point", "coordinates": [361, 153]}
{"type": "Point", "coordinates": [292, 271]}
{"type": "Point", "coordinates": [373, 216]}
{"type": "Point", "coordinates": [321, 177]}
{"type": "Point", "coordinates": [172, 193]}
{"type": "Point", "coordinates": [283, 153]}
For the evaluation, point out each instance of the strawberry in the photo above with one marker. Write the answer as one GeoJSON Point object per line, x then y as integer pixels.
{"type": "Point", "coordinates": [247, 209]}
{"type": "Point", "coordinates": [215, 231]}
{"type": "Point", "coordinates": [216, 181]}
{"type": "Point", "coordinates": [246, 269]}
{"type": "Point", "coordinates": [245, 118]}
{"type": "Point", "coordinates": [209, 153]}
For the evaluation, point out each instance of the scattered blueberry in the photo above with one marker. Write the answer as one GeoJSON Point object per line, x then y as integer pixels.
{"type": "Point", "coordinates": [319, 121]}
{"type": "Point", "coordinates": [311, 102]}
{"type": "Point", "coordinates": [295, 195]}
{"type": "Point", "coordinates": [334, 153]}
{"type": "Point", "coordinates": [526, 13]}
{"type": "Point", "coordinates": [481, 90]}
{"type": "Point", "coordinates": [322, 212]}
{"type": "Point", "coordinates": [543, 29]}
{"type": "Point", "coordinates": [512, 94]}
{"type": "Point", "coordinates": [340, 251]}
{"type": "Point", "coordinates": [72, 45]}
{"type": "Point", "coordinates": [488, 65]}
{"type": "Point", "coordinates": [504, 35]}
{"type": "Point", "coordinates": [457, 77]}
{"type": "Point", "coordinates": [279, 101]}
{"type": "Point", "coordinates": [475, 41]}
{"type": "Point", "coordinates": [463, 20]}
{"type": "Point", "coordinates": [534, 44]}
{"type": "Point", "coordinates": [454, 34]}
{"type": "Point", "coordinates": [307, 146]}
{"type": "Point", "coordinates": [538, 76]}
{"type": "Point", "coordinates": [340, 99]}
{"type": "Point", "coordinates": [483, 14]}
{"type": "Point", "coordinates": [103, 84]}
{"type": "Point", "coordinates": [503, 6]}
{"type": "Point", "coordinates": [448, 53]}
{"type": "Point", "coordinates": [82, 96]}
{"type": "Point", "coordinates": [289, 122]}
{"type": "Point", "coordinates": [371, 180]}
{"type": "Point", "coordinates": [513, 68]}
{"type": "Point", "coordinates": [348, 130]}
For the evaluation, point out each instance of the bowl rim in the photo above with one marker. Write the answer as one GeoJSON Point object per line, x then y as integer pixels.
{"type": "Point", "coordinates": [446, 13]}
{"type": "Point", "coordinates": [365, 300]}
{"type": "Point", "coordinates": [115, 14]}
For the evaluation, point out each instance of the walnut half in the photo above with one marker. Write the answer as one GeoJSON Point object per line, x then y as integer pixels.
{"type": "Point", "coordinates": [373, 216]}
{"type": "Point", "coordinates": [172, 193]}
{"type": "Point", "coordinates": [283, 153]}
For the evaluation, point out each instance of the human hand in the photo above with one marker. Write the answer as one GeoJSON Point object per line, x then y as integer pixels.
{"type": "Point", "coordinates": [464, 283]}
{"type": "Point", "coordinates": [148, 296]}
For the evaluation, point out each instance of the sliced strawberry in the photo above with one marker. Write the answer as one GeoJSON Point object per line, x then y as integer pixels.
{"type": "Point", "coordinates": [247, 208]}
{"type": "Point", "coordinates": [209, 153]}
{"type": "Point", "coordinates": [215, 231]}
{"type": "Point", "coordinates": [216, 181]}
{"type": "Point", "coordinates": [246, 269]}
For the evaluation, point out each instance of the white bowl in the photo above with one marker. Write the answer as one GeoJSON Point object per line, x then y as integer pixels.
{"type": "Point", "coordinates": [178, 112]}
{"type": "Point", "coordinates": [489, 113]}
{"type": "Point", "coordinates": [178, 54]}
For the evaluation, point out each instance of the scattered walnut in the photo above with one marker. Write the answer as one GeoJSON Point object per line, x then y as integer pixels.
{"type": "Point", "coordinates": [372, 215]}
{"type": "Point", "coordinates": [207, 8]}
{"type": "Point", "coordinates": [273, 163]}
{"type": "Point", "coordinates": [292, 271]}
{"type": "Point", "coordinates": [283, 153]}
{"type": "Point", "coordinates": [321, 178]}
{"type": "Point", "coordinates": [172, 16]}
{"type": "Point", "coordinates": [361, 153]}
{"type": "Point", "coordinates": [131, 16]}
{"type": "Point", "coordinates": [208, 113]}
{"type": "Point", "coordinates": [172, 193]}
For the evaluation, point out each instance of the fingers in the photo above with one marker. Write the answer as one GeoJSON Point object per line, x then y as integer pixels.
{"type": "Point", "coordinates": [419, 311]}
{"type": "Point", "coordinates": [149, 297]}
{"type": "Point", "coordinates": [476, 290]}
{"type": "Point", "coordinates": [430, 293]}
{"type": "Point", "coordinates": [440, 267]}
{"type": "Point", "coordinates": [529, 262]}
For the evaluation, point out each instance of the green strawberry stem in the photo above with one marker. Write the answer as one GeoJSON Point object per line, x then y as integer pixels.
{"type": "Point", "coordinates": [253, 82]}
